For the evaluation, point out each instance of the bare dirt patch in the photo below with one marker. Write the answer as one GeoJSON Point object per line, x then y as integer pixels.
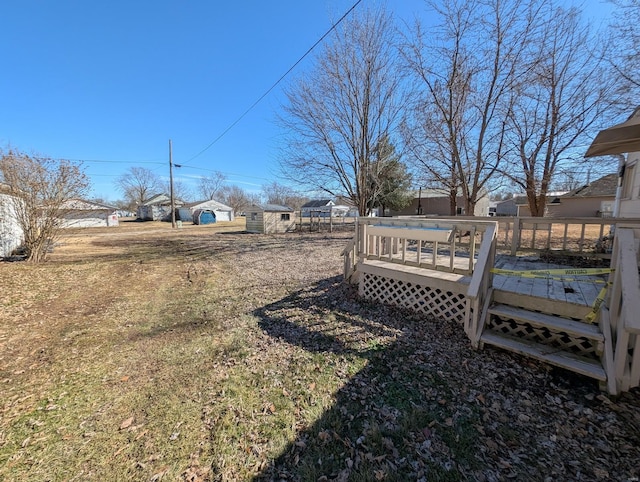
{"type": "Point", "coordinates": [204, 353]}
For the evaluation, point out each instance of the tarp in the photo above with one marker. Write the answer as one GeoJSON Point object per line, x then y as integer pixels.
{"type": "Point", "coordinates": [202, 216]}
{"type": "Point", "coordinates": [619, 139]}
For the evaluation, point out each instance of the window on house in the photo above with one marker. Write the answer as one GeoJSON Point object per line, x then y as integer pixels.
{"type": "Point", "coordinates": [284, 217]}
{"type": "Point", "coordinates": [459, 211]}
{"type": "Point", "coordinates": [254, 216]}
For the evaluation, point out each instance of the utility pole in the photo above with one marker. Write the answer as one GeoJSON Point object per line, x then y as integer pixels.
{"type": "Point", "coordinates": [173, 201]}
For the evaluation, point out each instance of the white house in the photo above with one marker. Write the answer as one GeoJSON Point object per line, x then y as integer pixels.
{"type": "Point", "coordinates": [11, 235]}
{"type": "Point", "coordinates": [78, 213]}
{"type": "Point", "coordinates": [618, 140]}
{"type": "Point", "coordinates": [221, 211]}
{"type": "Point", "coordinates": [317, 208]}
{"type": "Point", "coordinates": [157, 208]}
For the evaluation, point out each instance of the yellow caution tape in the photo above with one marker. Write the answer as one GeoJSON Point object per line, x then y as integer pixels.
{"type": "Point", "coordinates": [561, 274]}
{"type": "Point", "coordinates": [547, 273]}
{"type": "Point", "coordinates": [591, 316]}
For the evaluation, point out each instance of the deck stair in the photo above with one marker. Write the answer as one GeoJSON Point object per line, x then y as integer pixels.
{"type": "Point", "coordinates": [557, 340]}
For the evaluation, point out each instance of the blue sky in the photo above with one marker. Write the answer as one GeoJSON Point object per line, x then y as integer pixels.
{"type": "Point", "coordinates": [114, 81]}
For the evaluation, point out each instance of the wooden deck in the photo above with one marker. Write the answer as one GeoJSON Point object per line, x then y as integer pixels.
{"type": "Point", "coordinates": [581, 291]}
{"type": "Point", "coordinates": [452, 270]}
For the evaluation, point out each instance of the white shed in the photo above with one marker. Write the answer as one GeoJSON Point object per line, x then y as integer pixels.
{"type": "Point", "coordinates": [221, 211]}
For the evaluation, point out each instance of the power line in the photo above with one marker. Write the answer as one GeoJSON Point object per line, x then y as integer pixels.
{"type": "Point", "coordinates": [108, 161]}
{"type": "Point", "coordinates": [233, 124]}
{"type": "Point", "coordinates": [222, 172]}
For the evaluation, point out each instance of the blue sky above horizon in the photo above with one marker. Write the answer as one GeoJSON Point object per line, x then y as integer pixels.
{"type": "Point", "coordinates": [110, 83]}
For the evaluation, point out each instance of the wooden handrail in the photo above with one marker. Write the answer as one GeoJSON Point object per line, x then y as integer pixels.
{"type": "Point", "coordinates": [482, 266]}
{"type": "Point", "coordinates": [629, 280]}
{"type": "Point", "coordinates": [350, 245]}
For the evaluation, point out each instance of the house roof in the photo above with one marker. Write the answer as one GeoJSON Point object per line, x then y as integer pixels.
{"type": "Point", "coordinates": [275, 208]}
{"type": "Point", "coordinates": [162, 200]}
{"type": "Point", "coordinates": [604, 187]}
{"type": "Point", "coordinates": [209, 204]}
{"type": "Point", "coordinates": [521, 199]}
{"type": "Point", "coordinates": [83, 205]}
{"type": "Point", "coordinates": [318, 203]}
{"type": "Point", "coordinates": [427, 192]}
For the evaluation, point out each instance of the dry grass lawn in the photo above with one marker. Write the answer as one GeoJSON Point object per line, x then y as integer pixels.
{"type": "Point", "coordinates": [205, 353]}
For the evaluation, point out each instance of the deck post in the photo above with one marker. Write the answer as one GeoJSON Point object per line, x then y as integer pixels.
{"type": "Point", "coordinates": [515, 237]}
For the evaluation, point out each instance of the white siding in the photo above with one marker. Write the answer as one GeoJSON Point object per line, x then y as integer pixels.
{"type": "Point", "coordinates": [223, 216]}
{"type": "Point", "coordinates": [630, 200]}
{"type": "Point", "coordinates": [10, 232]}
{"type": "Point", "coordinates": [89, 219]}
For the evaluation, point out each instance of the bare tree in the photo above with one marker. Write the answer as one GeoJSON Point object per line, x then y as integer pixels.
{"type": "Point", "coordinates": [276, 193]}
{"type": "Point", "coordinates": [565, 92]}
{"type": "Point", "coordinates": [625, 57]}
{"type": "Point", "coordinates": [181, 190]}
{"type": "Point", "coordinates": [41, 191]}
{"type": "Point", "coordinates": [209, 186]}
{"type": "Point", "coordinates": [138, 184]}
{"type": "Point", "coordinates": [466, 69]}
{"type": "Point", "coordinates": [237, 198]}
{"type": "Point", "coordinates": [337, 114]}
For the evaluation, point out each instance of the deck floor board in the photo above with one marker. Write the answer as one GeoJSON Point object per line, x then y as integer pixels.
{"type": "Point", "coordinates": [582, 290]}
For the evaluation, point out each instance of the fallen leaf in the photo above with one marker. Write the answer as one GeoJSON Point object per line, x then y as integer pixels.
{"type": "Point", "coordinates": [126, 423]}
{"type": "Point", "coordinates": [158, 476]}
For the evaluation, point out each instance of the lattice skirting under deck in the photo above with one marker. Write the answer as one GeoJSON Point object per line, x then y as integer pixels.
{"type": "Point", "coordinates": [563, 341]}
{"type": "Point", "coordinates": [422, 299]}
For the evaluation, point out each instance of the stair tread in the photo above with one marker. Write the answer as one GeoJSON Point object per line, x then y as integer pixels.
{"type": "Point", "coordinates": [545, 353]}
{"type": "Point", "coordinates": [554, 323]}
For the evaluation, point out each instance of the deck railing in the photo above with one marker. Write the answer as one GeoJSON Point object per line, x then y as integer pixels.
{"type": "Point", "coordinates": [444, 245]}
{"type": "Point", "coordinates": [619, 317]}
{"type": "Point", "coordinates": [567, 236]}
{"type": "Point", "coordinates": [350, 255]}
{"type": "Point", "coordinates": [479, 292]}
{"type": "Point", "coordinates": [580, 236]}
